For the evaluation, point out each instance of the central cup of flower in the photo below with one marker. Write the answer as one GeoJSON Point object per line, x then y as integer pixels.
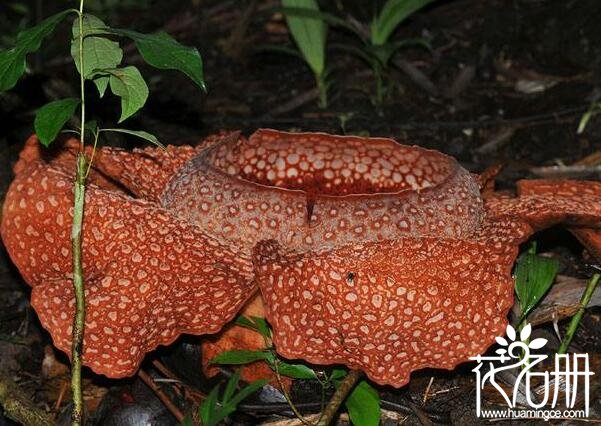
{"type": "Point", "coordinates": [335, 166]}
{"type": "Point", "coordinates": [312, 191]}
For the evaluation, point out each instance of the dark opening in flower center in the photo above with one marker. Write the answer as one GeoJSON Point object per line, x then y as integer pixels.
{"type": "Point", "coordinates": [333, 166]}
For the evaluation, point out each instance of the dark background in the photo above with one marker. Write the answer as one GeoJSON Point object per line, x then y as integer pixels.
{"type": "Point", "coordinates": [506, 82]}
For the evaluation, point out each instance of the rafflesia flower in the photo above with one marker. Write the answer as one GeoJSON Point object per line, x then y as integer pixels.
{"type": "Point", "coordinates": [379, 256]}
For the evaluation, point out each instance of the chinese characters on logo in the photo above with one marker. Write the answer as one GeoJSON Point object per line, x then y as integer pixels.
{"type": "Point", "coordinates": [560, 386]}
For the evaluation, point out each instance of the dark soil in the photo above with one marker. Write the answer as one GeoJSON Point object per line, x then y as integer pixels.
{"type": "Point", "coordinates": [505, 82]}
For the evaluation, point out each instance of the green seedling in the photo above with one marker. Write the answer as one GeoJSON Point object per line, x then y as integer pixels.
{"type": "Point", "coordinates": [309, 32]}
{"type": "Point", "coordinates": [218, 405]}
{"type": "Point", "coordinates": [97, 57]}
{"type": "Point", "coordinates": [362, 402]}
{"type": "Point", "coordinates": [376, 47]}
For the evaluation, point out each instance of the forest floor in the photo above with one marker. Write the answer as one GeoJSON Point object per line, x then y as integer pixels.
{"type": "Point", "coordinates": [506, 82]}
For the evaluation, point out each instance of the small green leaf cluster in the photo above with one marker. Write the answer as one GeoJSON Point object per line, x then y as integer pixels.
{"type": "Point", "coordinates": [98, 59]}
{"type": "Point", "coordinates": [240, 357]}
{"type": "Point", "coordinates": [533, 278]}
{"type": "Point", "coordinates": [362, 404]}
{"type": "Point", "coordinates": [308, 27]}
{"type": "Point", "coordinates": [217, 406]}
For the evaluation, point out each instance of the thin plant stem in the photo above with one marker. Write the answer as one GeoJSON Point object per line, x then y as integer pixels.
{"type": "Point", "coordinates": [96, 134]}
{"type": "Point", "coordinates": [377, 71]}
{"type": "Point", "coordinates": [345, 388]}
{"type": "Point", "coordinates": [76, 231]}
{"type": "Point", "coordinates": [82, 78]}
{"type": "Point", "coordinates": [285, 393]}
{"type": "Point", "coordinates": [322, 88]}
{"type": "Point", "coordinates": [78, 284]}
{"type": "Point", "coordinates": [575, 321]}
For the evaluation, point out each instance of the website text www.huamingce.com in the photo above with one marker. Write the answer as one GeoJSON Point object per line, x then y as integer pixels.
{"type": "Point", "coordinates": [546, 415]}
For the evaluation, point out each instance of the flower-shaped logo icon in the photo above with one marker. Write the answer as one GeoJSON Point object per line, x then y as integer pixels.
{"type": "Point", "coordinates": [524, 342]}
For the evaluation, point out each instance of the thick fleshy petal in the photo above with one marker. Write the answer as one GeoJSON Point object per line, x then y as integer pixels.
{"type": "Point", "coordinates": [145, 172]}
{"type": "Point", "coordinates": [589, 237]}
{"type": "Point", "coordinates": [388, 308]}
{"type": "Point", "coordinates": [546, 203]}
{"type": "Point", "coordinates": [149, 277]}
{"type": "Point", "coordinates": [61, 156]}
{"type": "Point", "coordinates": [310, 191]}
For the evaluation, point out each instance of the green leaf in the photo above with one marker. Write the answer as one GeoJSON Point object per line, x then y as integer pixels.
{"type": "Point", "coordinates": [12, 62]}
{"type": "Point", "coordinates": [367, 55]}
{"type": "Point", "coordinates": [101, 83]}
{"type": "Point", "coordinates": [240, 357]}
{"type": "Point", "coordinates": [363, 405]}
{"type": "Point", "coordinates": [91, 126]}
{"type": "Point", "coordinates": [328, 18]}
{"type": "Point", "coordinates": [212, 410]}
{"type": "Point", "coordinates": [12, 66]}
{"type": "Point", "coordinates": [338, 373]}
{"type": "Point", "coordinates": [231, 386]}
{"type": "Point", "coordinates": [129, 85]}
{"type": "Point", "coordinates": [206, 410]}
{"type": "Point", "coordinates": [391, 16]}
{"type": "Point", "coordinates": [296, 371]}
{"type": "Point", "coordinates": [162, 51]}
{"type": "Point", "coordinates": [262, 327]}
{"type": "Point", "coordinates": [309, 33]}
{"type": "Point", "coordinates": [243, 321]}
{"type": "Point", "coordinates": [51, 118]}
{"type": "Point", "coordinates": [533, 277]}
{"type": "Point", "coordinates": [98, 52]}
{"type": "Point", "coordinates": [19, 8]}
{"type": "Point", "coordinates": [257, 324]}
{"type": "Point", "coordinates": [138, 133]}
{"type": "Point", "coordinates": [246, 392]}
{"type": "Point", "coordinates": [229, 405]}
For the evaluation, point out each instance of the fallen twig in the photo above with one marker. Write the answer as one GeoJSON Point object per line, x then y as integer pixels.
{"type": "Point", "coordinates": [575, 171]}
{"type": "Point", "coordinates": [427, 391]}
{"type": "Point", "coordinates": [461, 81]}
{"type": "Point", "coordinates": [346, 386]}
{"type": "Point", "coordinates": [170, 405]}
{"type": "Point", "coordinates": [497, 140]}
{"type": "Point", "coordinates": [19, 408]}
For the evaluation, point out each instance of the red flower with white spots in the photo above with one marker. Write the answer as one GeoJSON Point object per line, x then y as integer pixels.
{"type": "Point", "coordinates": [368, 253]}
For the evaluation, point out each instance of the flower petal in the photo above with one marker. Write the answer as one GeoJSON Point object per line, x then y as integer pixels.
{"type": "Point", "coordinates": [387, 308]}
{"type": "Point", "coordinates": [149, 277]}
